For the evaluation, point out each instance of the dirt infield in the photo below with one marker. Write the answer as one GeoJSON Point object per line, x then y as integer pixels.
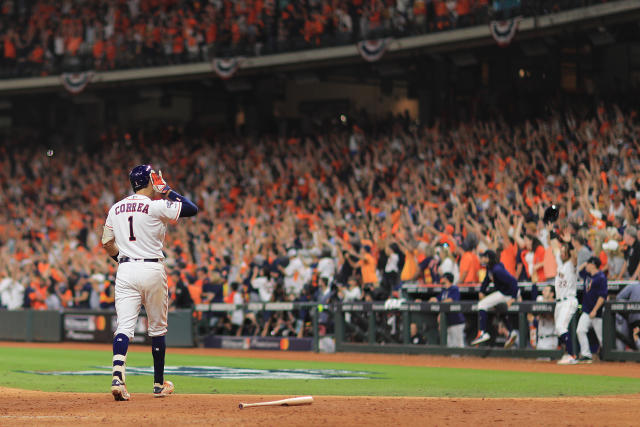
{"type": "Point", "coordinates": [19, 407]}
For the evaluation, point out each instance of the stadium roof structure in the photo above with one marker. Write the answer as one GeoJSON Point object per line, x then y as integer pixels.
{"type": "Point", "coordinates": [532, 27]}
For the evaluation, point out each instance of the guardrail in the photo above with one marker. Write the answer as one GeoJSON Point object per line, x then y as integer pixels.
{"type": "Point", "coordinates": [609, 351]}
{"type": "Point", "coordinates": [374, 314]}
{"type": "Point", "coordinates": [413, 288]}
{"type": "Point", "coordinates": [406, 310]}
{"type": "Point", "coordinates": [32, 325]}
{"type": "Point", "coordinates": [521, 309]}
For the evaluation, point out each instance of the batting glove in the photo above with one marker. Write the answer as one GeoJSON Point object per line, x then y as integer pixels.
{"type": "Point", "coordinates": [159, 184]}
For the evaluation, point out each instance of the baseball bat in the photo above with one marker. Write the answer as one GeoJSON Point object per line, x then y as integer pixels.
{"type": "Point", "coordinates": [293, 401]}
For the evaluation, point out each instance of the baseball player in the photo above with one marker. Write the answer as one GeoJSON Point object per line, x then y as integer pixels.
{"type": "Point", "coordinates": [566, 286]}
{"type": "Point", "coordinates": [133, 236]}
{"type": "Point", "coordinates": [595, 294]}
{"type": "Point", "coordinates": [506, 292]}
{"type": "Point", "coordinates": [546, 336]}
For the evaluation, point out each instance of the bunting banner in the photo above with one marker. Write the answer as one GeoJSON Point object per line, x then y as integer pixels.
{"type": "Point", "coordinates": [225, 68]}
{"type": "Point", "coordinates": [372, 50]}
{"type": "Point", "coordinates": [504, 31]}
{"type": "Point", "coordinates": [76, 82]}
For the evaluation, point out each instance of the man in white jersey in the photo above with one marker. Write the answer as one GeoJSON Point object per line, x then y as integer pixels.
{"type": "Point", "coordinates": [566, 285]}
{"type": "Point", "coordinates": [546, 335]}
{"type": "Point", "coordinates": [133, 236]}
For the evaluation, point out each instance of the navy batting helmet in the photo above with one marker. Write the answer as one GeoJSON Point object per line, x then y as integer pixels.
{"type": "Point", "coordinates": [140, 177]}
{"type": "Point", "coordinates": [550, 214]}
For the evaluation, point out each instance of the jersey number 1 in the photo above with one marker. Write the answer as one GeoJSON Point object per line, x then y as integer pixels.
{"type": "Point", "coordinates": [132, 238]}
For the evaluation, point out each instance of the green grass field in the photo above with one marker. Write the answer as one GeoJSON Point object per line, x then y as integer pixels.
{"type": "Point", "coordinates": [19, 367]}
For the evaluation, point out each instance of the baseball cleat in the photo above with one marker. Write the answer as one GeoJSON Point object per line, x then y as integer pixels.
{"type": "Point", "coordinates": [585, 359]}
{"type": "Point", "coordinates": [163, 390]}
{"type": "Point", "coordinates": [119, 390]}
{"type": "Point", "coordinates": [567, 360]}
{"type": "Point", "coordinates": [511, 340]}
{"type": "Point", "coordinates": [482, 337]}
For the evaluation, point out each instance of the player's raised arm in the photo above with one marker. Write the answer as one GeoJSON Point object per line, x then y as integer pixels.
{"type": "Point", "coordinates": [187, 208]}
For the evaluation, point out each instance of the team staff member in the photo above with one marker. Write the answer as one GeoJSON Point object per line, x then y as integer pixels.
{"type": "Point", "coordinates": [133, 236]}
{"type": "Point", "coordinates": [455, 321]}
{"type": "Point", "coordinates": [595, 294]}
{"type": "Point", "coordinates": [506, 292]}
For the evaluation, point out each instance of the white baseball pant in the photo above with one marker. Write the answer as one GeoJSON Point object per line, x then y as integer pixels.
{"type": "Point", "coordinates": [492, 300]}
{"type": "Point", "coordinates": [547, 343]}
{"type": "Point", "coordinates": [139, 283]}
{"type": "Point", "coordinates": [584, 324]}
{"type": "Point", "coordinates": [455, 335]}
{"type": "Point", "coordinates": [563, 314]}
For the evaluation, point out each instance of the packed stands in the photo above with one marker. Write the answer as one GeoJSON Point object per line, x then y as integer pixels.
{"type": "Point", "coordinates": [350, 212]}
{"type": "Point", "coordinates": [45, 37]}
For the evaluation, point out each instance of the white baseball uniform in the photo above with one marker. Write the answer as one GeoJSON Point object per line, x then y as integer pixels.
{"type": "Point", "coordinates": [139, 225]}
{"type": "Point", "coordinates": [566, 285]}
{"type": "Point", "coordinates": [547, 336]}
{"type": "Point", "coordinates": [455, 335]}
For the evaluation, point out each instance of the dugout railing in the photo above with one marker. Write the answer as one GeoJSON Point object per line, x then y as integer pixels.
{"type": "Point", "coordinates": [609, 330]}
{"type": "Point", "coordinates": [371, 319]}
{"type": "Point", "coordinates": [339, 320]}
{"type": "Point", "coordinates": [408, 312]}
{"type": "Point", "coordinates": [411, 290]}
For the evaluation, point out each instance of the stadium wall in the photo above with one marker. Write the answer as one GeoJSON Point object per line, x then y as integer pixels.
{"type": "Point", "coordinates": [31, 325]}
{"type": "Point", "coordinates": [174, 108]}
{"type": "Point", "coordinates": [86, 326]}
{"type": "Point", "coordinates": [369, 97]}
{"type": "Point", "coordinates": [98, 326]}
{"type": "Point", "coordinates": [538, 26]}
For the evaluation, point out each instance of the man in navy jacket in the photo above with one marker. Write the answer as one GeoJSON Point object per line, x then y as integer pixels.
{"type": "Point", "coordinates": [506, 292]}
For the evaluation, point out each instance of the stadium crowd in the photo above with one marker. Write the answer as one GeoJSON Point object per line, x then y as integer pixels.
{"type": "Point", "coordinates": [348, 213]}
{"type": "Point", "coordinates": [44, 37]}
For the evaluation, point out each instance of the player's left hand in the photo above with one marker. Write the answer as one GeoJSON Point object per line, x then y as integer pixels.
{"type": "Point", "coordinates": [592, 315]}
{"type": "Point", "coordinates": [159, 184]}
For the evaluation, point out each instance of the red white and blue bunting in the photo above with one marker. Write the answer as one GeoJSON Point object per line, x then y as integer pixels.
{"type": "Point", "coordinates": [504, 31]}
{"type": "Point", "coordinates": [76, 82]}
{"type": "Point", "coordinates": [372, 50]}
{"type": "Point", "coordinates": [225, 68]}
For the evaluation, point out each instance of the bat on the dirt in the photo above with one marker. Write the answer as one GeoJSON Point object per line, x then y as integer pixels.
{"type": "Point", "coordinates": [293, 401]}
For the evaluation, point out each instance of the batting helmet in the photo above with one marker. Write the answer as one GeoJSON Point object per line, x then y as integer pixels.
{"type": "Point", "coordinates": [550, 214]}
{"type": "Point", "coordinates": [140, 177]}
